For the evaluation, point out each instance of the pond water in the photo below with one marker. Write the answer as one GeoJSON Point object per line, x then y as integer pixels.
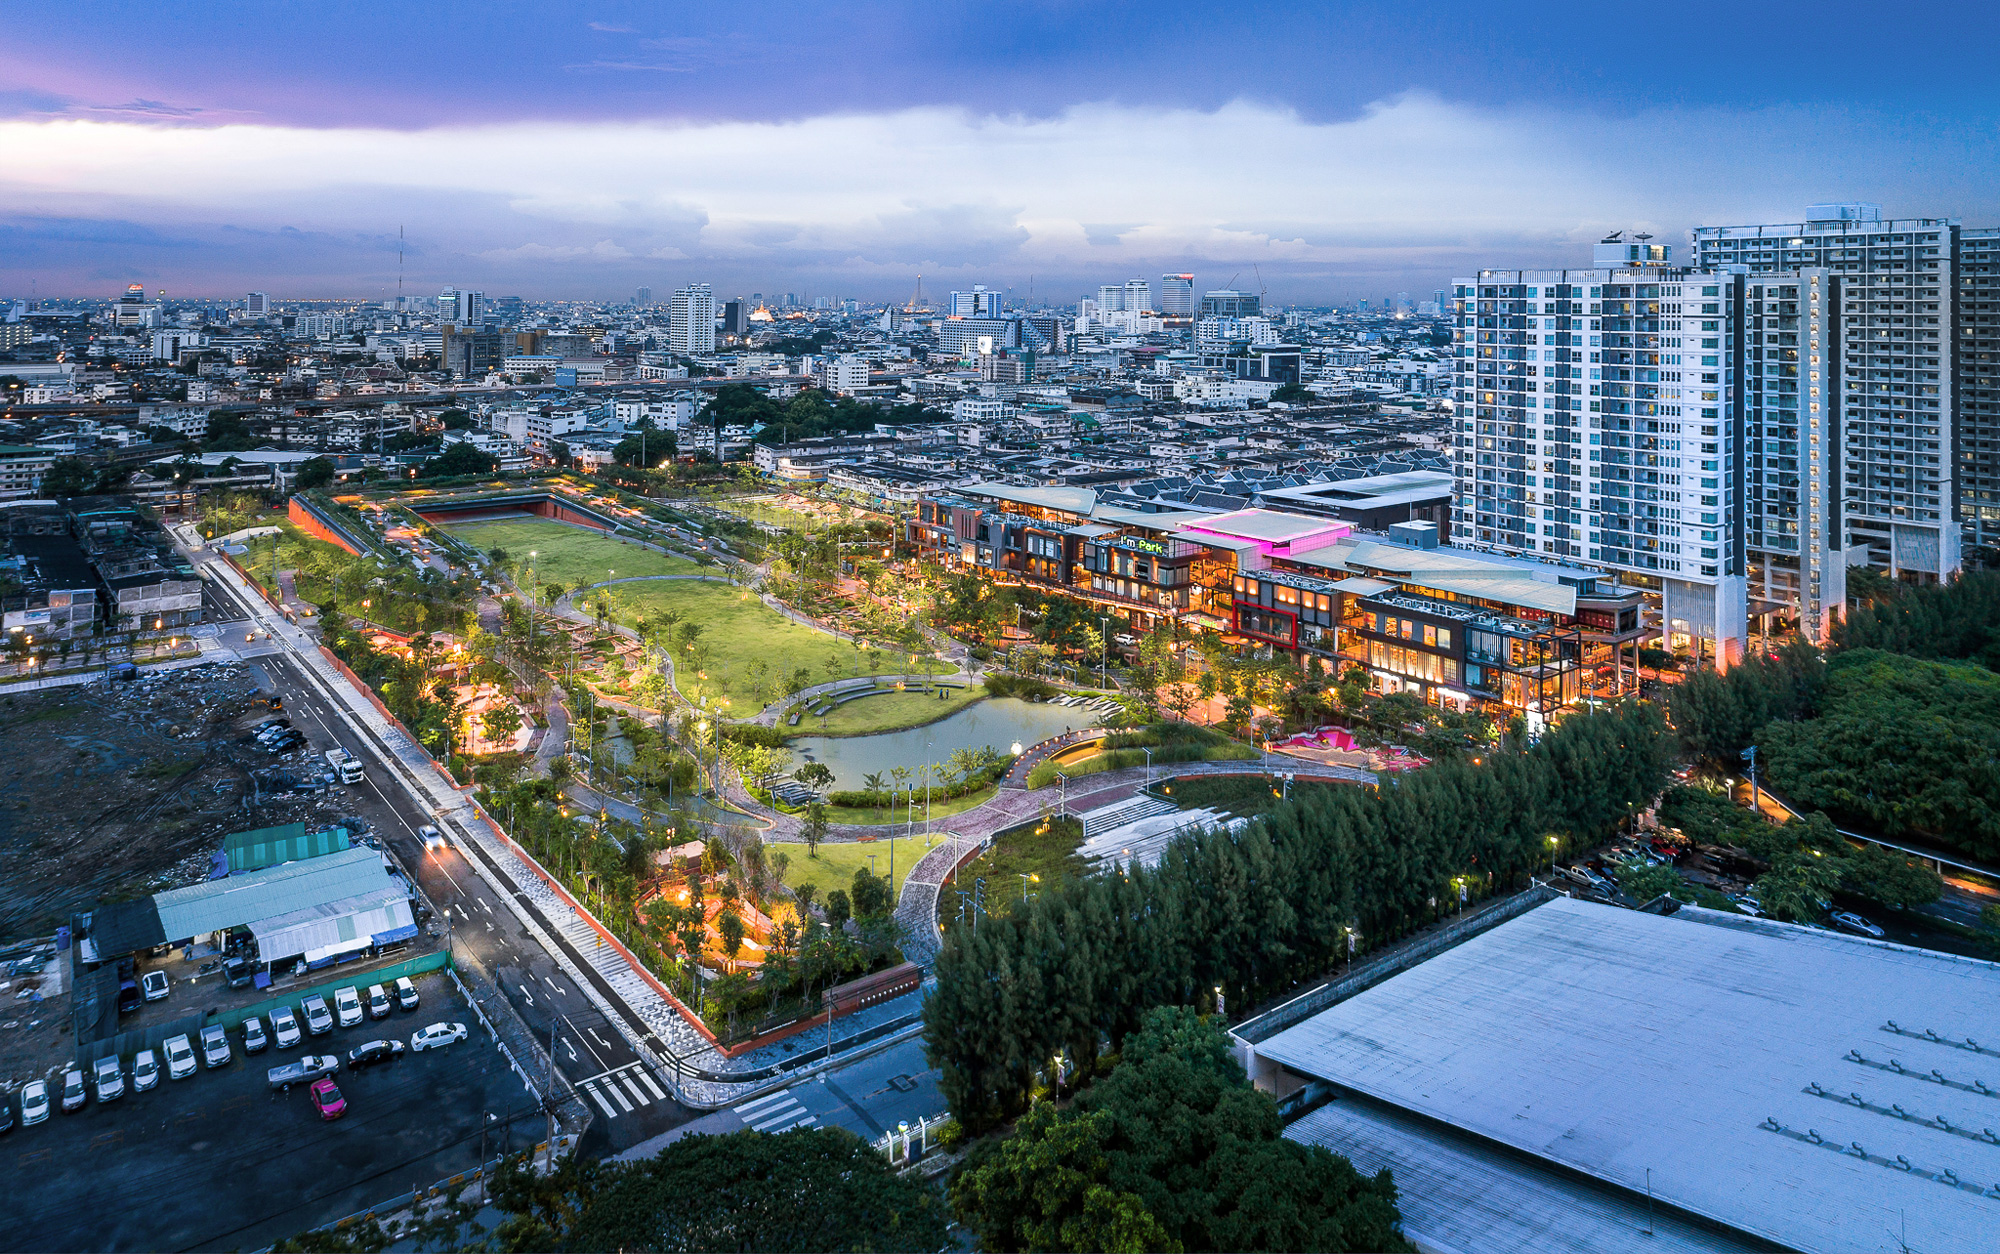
{"type": "Point", "coordinates": [997, 721]}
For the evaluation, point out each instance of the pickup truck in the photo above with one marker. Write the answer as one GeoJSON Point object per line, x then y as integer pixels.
{"type": "Point", "coordinates": [308, 1068]}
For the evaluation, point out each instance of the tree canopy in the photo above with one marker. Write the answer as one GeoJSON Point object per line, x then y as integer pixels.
{"type": "Point", "coordinates": [808, 1189]}
{"type": "Point", "coordinates": [1173, 1150]}
{"type": "Point", "coordinates": [314, 472]}
{"type": "Point", "coordinates": [458, 459]}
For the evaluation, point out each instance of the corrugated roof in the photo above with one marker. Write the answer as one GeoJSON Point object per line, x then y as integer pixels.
{"type": "Point", "coordinates": [268, 846]}
{"type": "Point", "coordinates": [366, 914]}
{"type": "Point", "coordinates": [244, 899]}
{"type": "Point", "coordinates": [1613, 1042]}
{"type": "Point", "coordinates": [1362, 585]}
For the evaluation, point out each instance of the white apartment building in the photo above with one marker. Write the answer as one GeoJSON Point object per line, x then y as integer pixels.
{"type": "Point", "coordinates": [1591, 425]}
{"type": "Point", "coordinates": [1177, 295]}
{"type": "Point", "coordinates": [1896, 375]}
{"type": "Point", "coordinates": [847, 373]}
{"type": "Point", "coordinates": [668, 413]}
{"type": "Point", "coordinates": [977, 303]}
{"type": "Point", "coordinates": [691, 321]}
{"type": "Point", "coordinates": [981, 409]}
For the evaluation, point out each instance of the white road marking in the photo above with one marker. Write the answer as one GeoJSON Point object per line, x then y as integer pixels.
{"type": "Point", "coordinates": [525, 993]}
{"type": "Point", "coordinates": [646, 1078]}
{"type": "Point", "coordinates": [638, 1094]}
{"type": "Point", "coordinates": [787, 1118]}
{"type": "Point", "coordinates": [747, 1107]}
{"type": "Point", "coordinates": [599, 1098]}
{"type": "Point", "coordinates": [620, 1096]}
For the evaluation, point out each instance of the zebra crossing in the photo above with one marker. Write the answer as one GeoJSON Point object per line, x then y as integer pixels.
{"type": "Point", "coordinates": [623, 1090]}
{"type": "Point", "coordinates": [775, 1112]}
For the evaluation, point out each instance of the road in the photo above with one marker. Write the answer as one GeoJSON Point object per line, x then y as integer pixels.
{"type": "Point", "coordinates": [590, 1052]}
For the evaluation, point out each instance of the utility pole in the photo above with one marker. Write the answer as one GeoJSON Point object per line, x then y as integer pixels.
{"type": "Point", "coordinates": [1104, 652]}
{"type": "Point", "coordinates": [1756, 799]}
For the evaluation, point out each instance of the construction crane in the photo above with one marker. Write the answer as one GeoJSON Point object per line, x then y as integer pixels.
{"type": "Point", "coordinates": [1260, 286]}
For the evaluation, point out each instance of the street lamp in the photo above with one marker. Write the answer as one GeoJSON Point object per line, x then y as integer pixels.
{"type": "Point", "coordinates": [1028, 877]}
{"type": "Point", "coordinates": [1148, 751]}
{"type": "Point", "coordinates": [1104, 652]}
{"type": "Point", "coordinates": [1756, 799]}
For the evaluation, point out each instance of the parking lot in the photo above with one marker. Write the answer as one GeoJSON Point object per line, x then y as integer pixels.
{"type": "Point", "coordinates": [220, 1161]}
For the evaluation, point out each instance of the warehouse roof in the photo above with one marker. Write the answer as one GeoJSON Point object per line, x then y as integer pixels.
{"type": "Point", "coordinates": [244, 899]}
{"type": "Point", "coordinates": [269, 846]}
{"type": "Point", "coordinates": [1616, 1043]}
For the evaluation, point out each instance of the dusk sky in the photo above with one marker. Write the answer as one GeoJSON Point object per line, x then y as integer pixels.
{"type": "Point", "coordinates": [1329, 151]}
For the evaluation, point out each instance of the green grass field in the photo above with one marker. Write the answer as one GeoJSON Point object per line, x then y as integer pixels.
{"type": "Point", "coordinates": [887, 712]}
{"type": "Point", "coordinates": [900, 813]}
{"type": "Point", "coordinates": [1049, 855]}
{"type": "Point", "coordinates": [836, 864]}
{"type": "Point", "coordinates": [570, 555]}
{"type": "Point", "coordinates": [764, 511]}
{"type": "Point", "coordinates": [738, 632]}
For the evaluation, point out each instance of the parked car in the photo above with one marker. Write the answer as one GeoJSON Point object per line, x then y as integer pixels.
{"type": "Point", "coordinates": [436, 1036]}
{"type": "Point", "coordinates": [34, 1102]}
{"type": "Point", "coordinates": [145, 1070]}
{"type": "Point", "coordinates": [406, 993]}
{"type": "Point", "coordinates": [180, 1056]}
{"type": "Point", "coordinates": [373, 1052]}
{"type": "Point", "coordinates": [155, 985]}
{"type": "Point", "coordinates": [73, 1095]}
{"type": "Point", "coordinates": [110, 1081]}
{"type": "Point", "coordinates": [319, 1020]}
{"type": "Point", "coordinates": [433, 838]}
{"type": "Point", "coordinates": [328, 1101]}
{"type": "Point", "coordinates": [1749, 905]}
{"type": "Point", "coordinates": [285, 1027]}
{"type": "Point", "coordinates": [348, 1003]}
{"type": "Point", "coordinates": [378, 1002]}
{"type": "Point", "coordinates": [239, 972]}
{"type": "Point", "coordinates": [308, 1068]}
{"type": "Point", "coordinates": [1848, 921]}
{"type": "Point", "coordinates": [215, 1047]}
{"type": "Point", "coordinates": [254, 1040]}
{"type": "Point", "coordinates": [128, 996]}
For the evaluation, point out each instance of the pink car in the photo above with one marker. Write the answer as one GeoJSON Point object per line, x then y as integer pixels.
{"type": "Point", "coordinates": [328, 1101]}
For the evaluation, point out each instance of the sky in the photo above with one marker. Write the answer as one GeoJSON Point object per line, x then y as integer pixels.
{"type": "Point", "coordinates": [1318, 152]}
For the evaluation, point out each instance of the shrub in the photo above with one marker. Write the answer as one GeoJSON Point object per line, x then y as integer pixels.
{"type": "Point", "coordinates": [755, 735]}
{"type": "Point", "coordinates": [1019, 686]}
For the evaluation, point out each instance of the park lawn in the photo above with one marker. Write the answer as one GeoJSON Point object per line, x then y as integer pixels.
{"type": "Point", "coordinates": [1245, 796]}
{"type": "Point", "coordinates": [900, 813]}
{"type": "Point", "coordinates": [568, 554]}
{"type": "Point", "coordinates": [892, 711]}
{"type": "Point", "coordinates": [738, 631]}
{"type": "Point", "coordinates": [775, 515]}
{"type": "Point", "coordinates": [1051, 855]}
{"type": "Point", "coordinates": [836, 864]}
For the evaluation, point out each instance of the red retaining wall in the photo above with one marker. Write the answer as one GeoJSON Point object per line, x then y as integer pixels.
{"type": "Point", "coordinates": [304, 520]}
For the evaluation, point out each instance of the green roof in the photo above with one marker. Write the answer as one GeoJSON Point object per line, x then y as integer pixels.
{"type": "Point", "coordinates": [268, 846]}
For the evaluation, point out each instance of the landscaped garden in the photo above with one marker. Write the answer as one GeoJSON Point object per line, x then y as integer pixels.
{"type": "Point", "coordinates": [1043, 850]}
{"type": "Point", "coordinates": [889, 710]}
{"type": "Point", "coordinates": [833, 866]}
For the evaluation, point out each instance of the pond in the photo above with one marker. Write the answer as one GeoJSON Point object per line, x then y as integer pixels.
{"type": "Point", "coordinates": [997, 721]}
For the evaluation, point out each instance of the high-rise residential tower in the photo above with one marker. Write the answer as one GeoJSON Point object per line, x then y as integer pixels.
{"type": "Point", "coordinates": [1978, 436]}
{"type": "Point", "coordinates": [1139, 296]}
{"type": "Point", "coordinates": [691, 321]}
{"type": "Point", "coordinates": [1177, 295]}
{"type": "Point", "coordinates": [977, 303]}
{"type": "Point", "coordinates": [1895, 369]}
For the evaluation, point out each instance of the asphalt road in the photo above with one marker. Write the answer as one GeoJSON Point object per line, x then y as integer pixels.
{"type": "Point", "coordinates": [485, 933]}
{"type": "Point", "coordinates": [220, 1161]}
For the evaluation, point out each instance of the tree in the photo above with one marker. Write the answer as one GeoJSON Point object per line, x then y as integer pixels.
{"type": "Point", "coordinates": [814, 775]}
{"type": "Point", "coordinates": [501, 722]}
{"type": "Point", "coordinates": [730, 925]}
{"type": "Point", "coordinates": [873, 896]}
{"type": "Point", "coordinates": [456, 419]}
{"type": "Point", "coordinates": [838, 910]}
{"type": "Point", "coordinates": [314, 472]}
{"type": "Point", "coordinates": [1798, 886]}
{"type": "Point", "coordinates": [815, 827]}
{"type": "Point", "coordinates": [1291, 394]}
{"type": "Point", "coordinates": [67, 476]}
{"type": "Point", "coordinates": [460, 458]}
{"type": "Point", "coordinates": [1172, 1150]}
{"type": "Point", "coordinates": [809, 1189]}
{"type": "Point", "coordinates": [877, 787]}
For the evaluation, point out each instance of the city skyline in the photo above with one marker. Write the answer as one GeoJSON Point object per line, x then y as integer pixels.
{"type": "Point", "coordinates": [610, 152]}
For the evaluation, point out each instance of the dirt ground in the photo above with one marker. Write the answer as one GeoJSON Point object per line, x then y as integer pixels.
{"type": "Point", "coordinates": [108, 791]}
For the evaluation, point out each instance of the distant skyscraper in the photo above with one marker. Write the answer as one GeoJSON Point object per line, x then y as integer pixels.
{"type": "Point", "coordinates": [1138, 295]}
{"type": "Point", "coordinates": [1229, 303]}
{"type": "Point", "coordinates": [735, 317]}
{"type": "Point", "coordinates": [1177, 295]}
{"type": "Point", "coordinates": [977, 303]}
{"type": "Point", "coordinates": [644, 296]}
{"type": "Point", "coordinates": [691, 321]}
{"type": "Point", "coordinates": [1111, 298]}
{"type": "Point", "coordinates": [257, 303]}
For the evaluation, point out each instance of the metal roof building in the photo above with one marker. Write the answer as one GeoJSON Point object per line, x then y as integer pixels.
{"type": "Point", "coordinates": [1782, 1084]}
{"type": "Point", "coordinates": [269, 846]}
{"type": "Point", "coordinates": [347, 881]}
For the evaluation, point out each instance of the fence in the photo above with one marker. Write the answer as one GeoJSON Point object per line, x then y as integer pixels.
{"type": "Point", "coordinates": [126, 1043]}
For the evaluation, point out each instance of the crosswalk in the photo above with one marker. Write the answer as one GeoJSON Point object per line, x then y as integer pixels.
{"type": "Point", "coordinates": [775, 1112]}
{"type": "Point", "coordinates": [623, 1090]}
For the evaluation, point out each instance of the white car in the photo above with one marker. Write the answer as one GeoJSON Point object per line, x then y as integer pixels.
{"type": "Point", "coordinates": [145, 1070]}
{"type": "Point", "coordinates": [285, 1027]}
{"type": "Point", "coordinates": [34, 1102]}
{"type": "Point", "coordinates": [348, 1003]}
{"type": "Point", "coordinates": [155, 984]}
{"type": "Point", "coordinates": [73, 1094]}
{"type": "Point", "coordinates": [110, 1080]}
{"type": "Point", "coordinates": [180, 1056]}
{"type": "Point", "coordinates": [319, 1020]}
{"type": "Point", "coordinates": [214, 1046]}
{"type": "Point", "coordinates": [436, 1036]}
{"type": "Point", "coordinates": [1848, 921]}
{"type": "Point", "coordinates": [433, 838]}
